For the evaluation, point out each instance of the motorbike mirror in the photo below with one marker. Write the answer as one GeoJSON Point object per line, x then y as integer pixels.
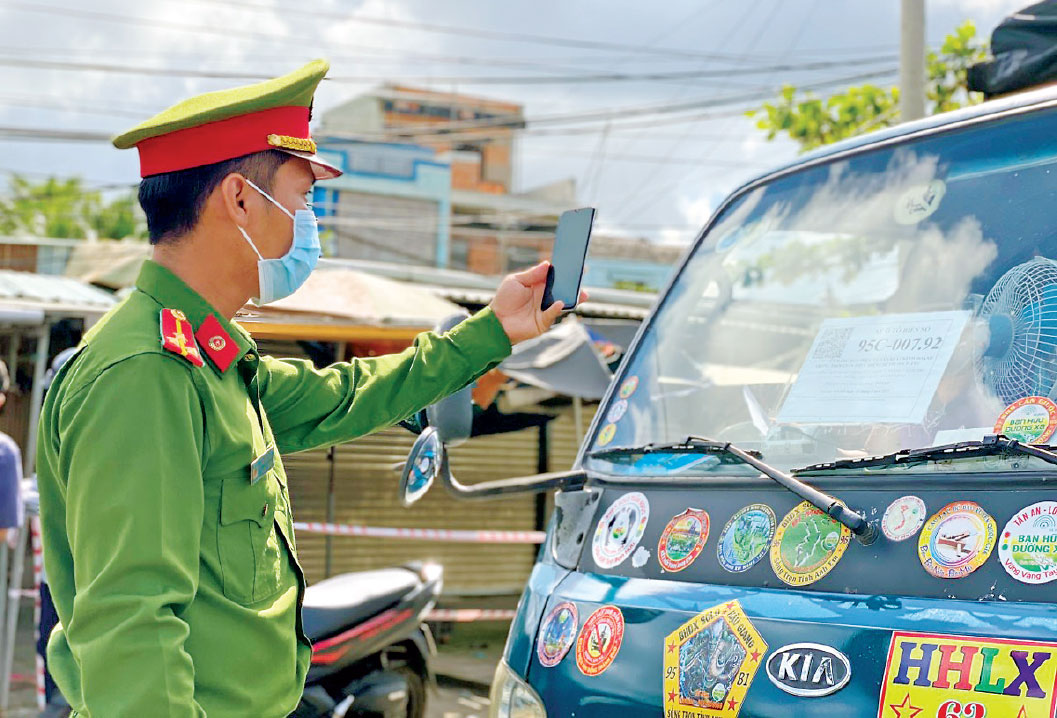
{"type": "Point", "coordinates": [422, 466]}
{"type": "Point", "coordinates": [452, 416]}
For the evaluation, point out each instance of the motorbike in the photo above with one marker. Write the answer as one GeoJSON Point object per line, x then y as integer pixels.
{"type": "Point", "coordinates": [371, 650]}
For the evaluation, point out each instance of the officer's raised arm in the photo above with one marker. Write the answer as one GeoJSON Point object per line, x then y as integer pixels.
{"type": "Point", "coordinates": [308, 408]}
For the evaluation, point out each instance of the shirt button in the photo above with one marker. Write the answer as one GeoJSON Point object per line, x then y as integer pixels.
{"type": "Point", "coordinates": [264, 511]}
{"type": "Point", "coordinates": [249, 357]}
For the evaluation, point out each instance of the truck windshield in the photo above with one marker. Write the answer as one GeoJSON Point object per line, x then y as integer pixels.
{"type": "Point", "coordinates": [898, 298]}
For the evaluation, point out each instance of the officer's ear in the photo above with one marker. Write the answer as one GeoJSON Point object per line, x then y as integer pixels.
{"type": "Point", "coordinates": [235, 194]}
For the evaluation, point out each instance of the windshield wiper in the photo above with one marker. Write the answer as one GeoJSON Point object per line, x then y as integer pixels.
{"type": "Point", "coordinates": [992, 445]}
{"type": "Point", "coordinates": [832, 507]}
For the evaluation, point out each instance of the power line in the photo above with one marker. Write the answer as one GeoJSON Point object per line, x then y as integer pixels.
{"type": "Point", "coordinates": [647, 159]}
{"type": "Point", "coordinates": [565, 63]}
{"type": "Point", "coordinates": [728, 35]}
{"type": "Point", "coordinates": [657, 113]}
{"type": "Point", "coordinates": [300, 42]}
{"type": "Point", "coordinates": [645, 201]}
{"type": "Point", "coordinates": [314, 41]}
{"type": "Point", "coordinates": [622, 112]}
{"type": "Point", "coordinates": [507, 36]}
{"type": "Point", "coordinates": [594, 78]}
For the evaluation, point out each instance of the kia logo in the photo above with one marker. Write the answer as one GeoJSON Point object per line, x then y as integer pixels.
{"type": "Point", "coordinates": [808, 669]}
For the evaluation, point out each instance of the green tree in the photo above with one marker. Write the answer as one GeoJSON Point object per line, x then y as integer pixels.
{"type": "Point", "coordinates": [812, 121]}
{"type": "Point", "coordinates": [65, 209]}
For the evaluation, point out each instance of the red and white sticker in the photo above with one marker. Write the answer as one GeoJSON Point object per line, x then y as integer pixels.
{"type": "Point", "coordinates": [682, 540]}
{"type": "Point", "coordinates": [1031, 420]}
{"type": "Point", "coordinates": [599, 640]}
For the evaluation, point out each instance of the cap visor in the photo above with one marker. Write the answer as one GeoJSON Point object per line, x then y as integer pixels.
{"type": "Point", "coordinates": [322, 169]}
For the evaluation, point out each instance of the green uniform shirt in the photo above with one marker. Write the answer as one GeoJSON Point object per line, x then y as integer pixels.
{"type": "Point", "coordinates": [174, 576]}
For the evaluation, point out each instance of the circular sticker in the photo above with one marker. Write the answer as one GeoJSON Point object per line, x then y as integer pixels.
{"type": "Point", "coordinates": [557, 634]}
{"type": "Point", "coordinates": [628, 387]}
{"type": "Point", "coordinates": [620, 529]}
{"type": "Point", "coordinates": [1031, 420]}
{"type": "Point", "coordinates": [1027, 547]}
{"type": "Point", "coordinates": [682, 540]}
{"type": "Point", "coordinates": [606, 434]}
{"type": "Point", "coordinates": [617, 411]}
{"type": "Point", "coordinates": [903, 518]}
{"type": "Point", "coordinates": [746, 537]}
{"type": "Point", "coordinates": [599, 640]}
{"type": "Point", "coordinates": [919, 202]}
{"type": "Point", "coordinates": [807, 545]}
{"type": "Point", "coordinates": [957, 540]}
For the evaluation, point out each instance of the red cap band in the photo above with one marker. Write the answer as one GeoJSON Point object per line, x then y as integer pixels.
{"type": "Point", "coordinates": [220, 140]}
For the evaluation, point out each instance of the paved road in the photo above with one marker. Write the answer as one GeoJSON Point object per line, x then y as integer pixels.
{"type": "Point", "coordinates": [455, 701]}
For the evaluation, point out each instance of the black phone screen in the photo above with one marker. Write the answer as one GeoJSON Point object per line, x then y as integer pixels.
{"type": "Point", "coordinates": [570, 251]}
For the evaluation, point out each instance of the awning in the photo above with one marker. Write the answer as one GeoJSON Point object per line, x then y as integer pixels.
{"type": "Point", "coordinates": [563, 360]}
{"type": "Point", "coordinates": [348, 305]}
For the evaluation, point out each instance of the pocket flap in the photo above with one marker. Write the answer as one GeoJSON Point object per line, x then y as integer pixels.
{"type": "Point", "coordinates": [239, 501]}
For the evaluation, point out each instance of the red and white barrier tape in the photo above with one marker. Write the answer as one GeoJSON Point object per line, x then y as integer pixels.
{"type": "Point", "coordinates": [464, 536]}
{"type": "Point", "coordinates": [38, 574]}
{"type": "Point", "coordinates": [465, 615]}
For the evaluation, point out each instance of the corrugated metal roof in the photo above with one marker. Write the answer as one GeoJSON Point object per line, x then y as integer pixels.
{"type": "Point", "coordinates": [52, 292]}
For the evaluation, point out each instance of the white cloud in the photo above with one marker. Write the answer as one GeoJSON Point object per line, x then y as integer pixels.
{"type": "Point", "coordinates": [650, 199]}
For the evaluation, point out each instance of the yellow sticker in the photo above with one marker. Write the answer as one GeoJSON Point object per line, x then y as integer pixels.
{"type": "Point", "coordinates": [933, 675]}
{"type": "Point", "coordinates": [807, 545]}
{"type": "Point", "coordinates": [709, 663]}
{"type": "Point", "coordinates": [606, 434]}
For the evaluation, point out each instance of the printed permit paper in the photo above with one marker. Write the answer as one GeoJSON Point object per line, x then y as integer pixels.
{"type": "Point", "coordinates": [874, 369]}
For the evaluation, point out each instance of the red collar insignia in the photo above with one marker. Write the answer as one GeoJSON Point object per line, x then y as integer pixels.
{"type": "Point", "coordinates": [176, 336]}
{"type": "Point", "coordinates": [217, 343]}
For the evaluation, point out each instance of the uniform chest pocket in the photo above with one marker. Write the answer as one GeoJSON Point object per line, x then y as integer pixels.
{"type": "Point", "coordinates": [249, 546]}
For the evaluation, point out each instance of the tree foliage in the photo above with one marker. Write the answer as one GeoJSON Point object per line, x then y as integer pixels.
{"type": "Point", "coordinates": [812, 121]}
{"type": "Point", "coordinates": [65, 209]}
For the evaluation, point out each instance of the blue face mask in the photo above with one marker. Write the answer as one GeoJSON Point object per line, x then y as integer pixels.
{"type": "Point", "coordinates": [281, 277]}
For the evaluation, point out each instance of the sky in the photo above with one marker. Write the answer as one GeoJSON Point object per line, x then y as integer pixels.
{"type": "Point", "coordinates": [105, 65]}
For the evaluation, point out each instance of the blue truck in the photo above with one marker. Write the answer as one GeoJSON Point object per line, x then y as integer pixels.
{"type": "Point", "coordinates": [822, 481]}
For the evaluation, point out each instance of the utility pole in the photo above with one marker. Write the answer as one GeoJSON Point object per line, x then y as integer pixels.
{"type": "Point", "coordinates": [912, 60]}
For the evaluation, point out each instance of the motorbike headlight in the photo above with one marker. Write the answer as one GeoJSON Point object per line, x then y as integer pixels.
{"type": "Point", "coordinates": [511, 697]}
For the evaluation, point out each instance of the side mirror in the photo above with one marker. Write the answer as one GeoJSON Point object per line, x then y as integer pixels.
{"type": "Point", "coordinates": [450, 423]}
{"type": "Point", "coordinates": [428, 459]}
{"type": "Point", "coordinates": [422, 466]}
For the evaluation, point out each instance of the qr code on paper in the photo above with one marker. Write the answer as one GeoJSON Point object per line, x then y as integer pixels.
{"type": "Point", "coordinates": [831, 342]}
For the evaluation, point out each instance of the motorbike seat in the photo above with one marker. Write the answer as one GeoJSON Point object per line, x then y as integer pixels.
{"type": "Point", "coordinates": [341, 602]}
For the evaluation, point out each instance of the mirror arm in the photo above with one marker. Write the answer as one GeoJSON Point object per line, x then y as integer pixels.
{"type": "Point", "coordinates": [564, 480]}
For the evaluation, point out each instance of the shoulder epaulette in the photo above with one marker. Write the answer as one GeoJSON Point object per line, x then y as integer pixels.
{"type": "Point", "coordinates": [177, 336]}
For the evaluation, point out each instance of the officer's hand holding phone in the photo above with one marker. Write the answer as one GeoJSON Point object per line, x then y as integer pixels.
{"type": "Point", "coordinates": [528, 302]}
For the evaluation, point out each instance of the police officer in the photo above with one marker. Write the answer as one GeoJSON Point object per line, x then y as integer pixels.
{"type": "Point", "coordinates": [168, 534]}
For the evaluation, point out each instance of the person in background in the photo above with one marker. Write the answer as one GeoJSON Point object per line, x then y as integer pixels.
{"type": "Point", "coordinates": [10, 472]}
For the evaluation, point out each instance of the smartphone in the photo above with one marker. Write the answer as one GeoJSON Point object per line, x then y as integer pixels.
{"type": "Point", "coordinates": [567, 258]}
